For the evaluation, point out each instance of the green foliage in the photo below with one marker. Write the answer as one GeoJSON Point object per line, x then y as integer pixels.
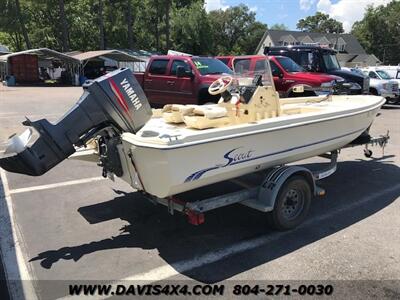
{"type": "Point", "coordinates": [379, 32]}
{"type": "Point", "coordinates": [320, 22]}
{"type": "Point", "coordinates": [184, 25]}
{"type": "Point", "coordinates": [191, 30]}
{"type": "Point", "coordinates": [235, 30]}
{"type": "Point", "coordinates": [10, 27]}
{"type": "Point", "coordinates": [279, 27]}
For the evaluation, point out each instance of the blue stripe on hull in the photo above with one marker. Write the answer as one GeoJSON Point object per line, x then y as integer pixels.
{"type": "Point", "coordinates": [200, 173]}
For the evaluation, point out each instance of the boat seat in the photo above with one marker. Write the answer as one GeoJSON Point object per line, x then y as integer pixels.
{"type": "Point", "coordinates": [195, 116]}
{"type": "Point", "coordinates": [173, 113]}
{"type": "Point", "coordinates": [202, 122]}
{"type": "Point", "coordinates": [207, 116]}
{"type": "Point", "coordinates": [210, 112]}
{"type": "Point", "coordinates": [263, 104]}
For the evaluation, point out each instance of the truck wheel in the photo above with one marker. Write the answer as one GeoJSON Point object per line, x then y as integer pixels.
{"type": "Point", "coordinates": [292, 204]}
{"type": "Point", "coordinates": [373, 92]}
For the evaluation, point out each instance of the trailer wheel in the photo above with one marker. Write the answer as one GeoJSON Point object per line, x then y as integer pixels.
{"type": "Point", "coordinates": [292, 204]}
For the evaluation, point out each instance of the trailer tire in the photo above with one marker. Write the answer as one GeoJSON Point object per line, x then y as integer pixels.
{"type": "Point", "coordinates": [292, 204]}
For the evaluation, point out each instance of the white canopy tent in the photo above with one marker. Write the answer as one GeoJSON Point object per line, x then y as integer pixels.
{"type": "Point", "coordinates": [122, 59]}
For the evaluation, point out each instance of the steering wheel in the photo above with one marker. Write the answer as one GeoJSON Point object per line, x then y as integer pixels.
{"type": "Point", "coordinates": [220, 85]}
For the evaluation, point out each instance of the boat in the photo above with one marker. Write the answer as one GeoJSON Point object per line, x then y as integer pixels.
{"type": "Point", "coordinates": [180, 159]}
{"type": "Point", "coordinates": [180, 148]}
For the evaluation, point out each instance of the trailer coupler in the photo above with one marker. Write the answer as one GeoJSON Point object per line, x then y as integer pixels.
{"type": "Point", "coordinates": [367, 141]}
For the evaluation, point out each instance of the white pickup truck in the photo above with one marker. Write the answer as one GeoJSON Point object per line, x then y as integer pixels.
{"type": "Point", "coordinates": [380, 83]}
{"type": "Point", "coordinates": [393, 71]}
{"type": "Point", "coordinates": [389, 84]}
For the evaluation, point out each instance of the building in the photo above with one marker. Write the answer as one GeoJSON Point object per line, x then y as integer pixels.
{"type": "Point", "coordinates": [350, 52]}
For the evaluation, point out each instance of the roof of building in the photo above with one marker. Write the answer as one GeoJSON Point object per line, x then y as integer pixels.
{"type": "Point", "coordinates": [43, 53]}
{"type": "Point", "coordinates": [365, 58]}
{"type": "Point", "coordinates": [345, 56]}
{"type": "Point", "coordinates": [111, 54]}
{"type": "Point", "coordinates": [352, 44]}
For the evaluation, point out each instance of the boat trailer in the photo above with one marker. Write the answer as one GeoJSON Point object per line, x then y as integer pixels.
{"type": "Point", "coordinates": [275, 193]}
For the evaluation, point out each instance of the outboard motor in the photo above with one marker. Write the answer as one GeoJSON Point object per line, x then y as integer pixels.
{"type": "Point", "coordinates": [112, 103]}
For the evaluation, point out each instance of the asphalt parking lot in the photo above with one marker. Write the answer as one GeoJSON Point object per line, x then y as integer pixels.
{"type": "Point", "coordinates": [71, 224]}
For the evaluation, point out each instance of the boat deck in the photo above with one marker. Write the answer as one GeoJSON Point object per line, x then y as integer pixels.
{"type": "Point", "coordinates": [294, 111]}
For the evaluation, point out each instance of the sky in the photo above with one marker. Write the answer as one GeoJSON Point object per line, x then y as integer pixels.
{"type": "Point", "coordinates": [289, 12]}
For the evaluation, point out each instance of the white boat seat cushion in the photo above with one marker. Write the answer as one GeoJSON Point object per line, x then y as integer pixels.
{"type": "Point", "coordinates": [173, 113]}
{"type": "Point", "coordinates": [210, 112]}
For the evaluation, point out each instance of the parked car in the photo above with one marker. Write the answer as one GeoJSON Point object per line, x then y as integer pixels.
{"type": "Point", "coordinates": [376, 86]}
{"type": "Point", "coordinates": [286, 73]}
{"type": "Point", "coordinates": [393, 71]}
{"type": "Point", "coordinates": [381, 77]}
{"type": "Point", "coordinates": [180, 79]}
{"type": "Point", "coordinates": [321, 60]}
{"type": "Point", "coordinates": [384, 73]}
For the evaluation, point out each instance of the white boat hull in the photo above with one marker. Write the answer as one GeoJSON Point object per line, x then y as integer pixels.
{"type": "Point", "coordinates": [165, 171]}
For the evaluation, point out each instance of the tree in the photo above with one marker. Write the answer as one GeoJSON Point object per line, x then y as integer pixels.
{"type": "Point", "coordinates": [10, 29]}
{"type": "Point", "coordinates": [102, 43]}
{"type": "Point", "coordinates": [191, 29]}
{"type": "Point", "coordinates": [144, 24]}
{"type": "Point", "coordinates": [82, 20]}
{"type": "Point", "coordinates": [235, 30]}
{"type": "Point", "coordinates": [64, 25]}
{"type": "Point", "coordinates": [21, 19]}
{"type": "Point", "coordinates": [379, 30]}
{"type": "Point", "coordinates": [320, 22]}
{"type": "Point", "coordinates": [279, 27]}
{"type": "Point", "coordinates": [129, 23]}
{"type": "Point", "coordinates": [44, 23]}
{"type": "Point", "coordinates": [249, 43]}
{"type": "Point", "coordinates": [167, 25]}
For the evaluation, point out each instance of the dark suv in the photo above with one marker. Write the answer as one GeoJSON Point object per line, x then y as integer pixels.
{"type": "Point", "coordinates": [321, 60]}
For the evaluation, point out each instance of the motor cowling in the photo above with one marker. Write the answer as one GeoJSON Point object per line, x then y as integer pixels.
{"type": "Point", "coordinates": [115, 100]}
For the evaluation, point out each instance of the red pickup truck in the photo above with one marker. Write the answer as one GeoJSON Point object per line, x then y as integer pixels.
{"type": "Point", "coordinates": [286, 73]}
{"type": "Point", "coordinates": [181, 79]}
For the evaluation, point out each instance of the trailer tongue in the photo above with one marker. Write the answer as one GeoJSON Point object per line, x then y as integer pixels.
{"type": "Point", "coordinates": [113, 103]}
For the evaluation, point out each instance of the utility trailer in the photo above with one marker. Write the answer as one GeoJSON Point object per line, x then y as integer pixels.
{"type": "Point", "coordinates": [284, 192]}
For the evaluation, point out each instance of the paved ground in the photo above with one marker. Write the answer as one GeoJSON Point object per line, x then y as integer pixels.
{"type": "Point", "coordinates": [72, 225]}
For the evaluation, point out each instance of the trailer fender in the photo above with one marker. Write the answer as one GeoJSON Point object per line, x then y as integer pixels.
{"type": "Point", "coordinates": [269, 189]}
